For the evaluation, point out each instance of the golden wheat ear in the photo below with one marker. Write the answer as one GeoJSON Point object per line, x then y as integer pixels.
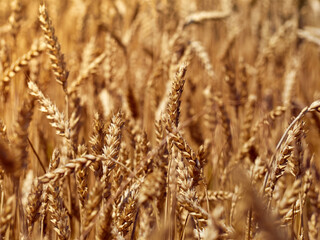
{"type": "Point", "coordinates": [7, 215]}
{"type": "Point", "coordinates": [17, 66]}
{"type": "Point", "coordinates": [58, 64]}
{"type": "Point", "coordinates": [53, 114]}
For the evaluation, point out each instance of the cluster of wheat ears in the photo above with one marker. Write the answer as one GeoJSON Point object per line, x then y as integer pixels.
{"type": "Point", "coordinates": [159, 119]}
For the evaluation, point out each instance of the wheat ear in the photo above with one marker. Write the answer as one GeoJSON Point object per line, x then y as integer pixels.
{"type": "Point", "coordinates": [58, 64]}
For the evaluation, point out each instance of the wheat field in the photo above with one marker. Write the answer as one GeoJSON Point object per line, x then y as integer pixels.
{"type": "Point", "coordinates": [159, 119]}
